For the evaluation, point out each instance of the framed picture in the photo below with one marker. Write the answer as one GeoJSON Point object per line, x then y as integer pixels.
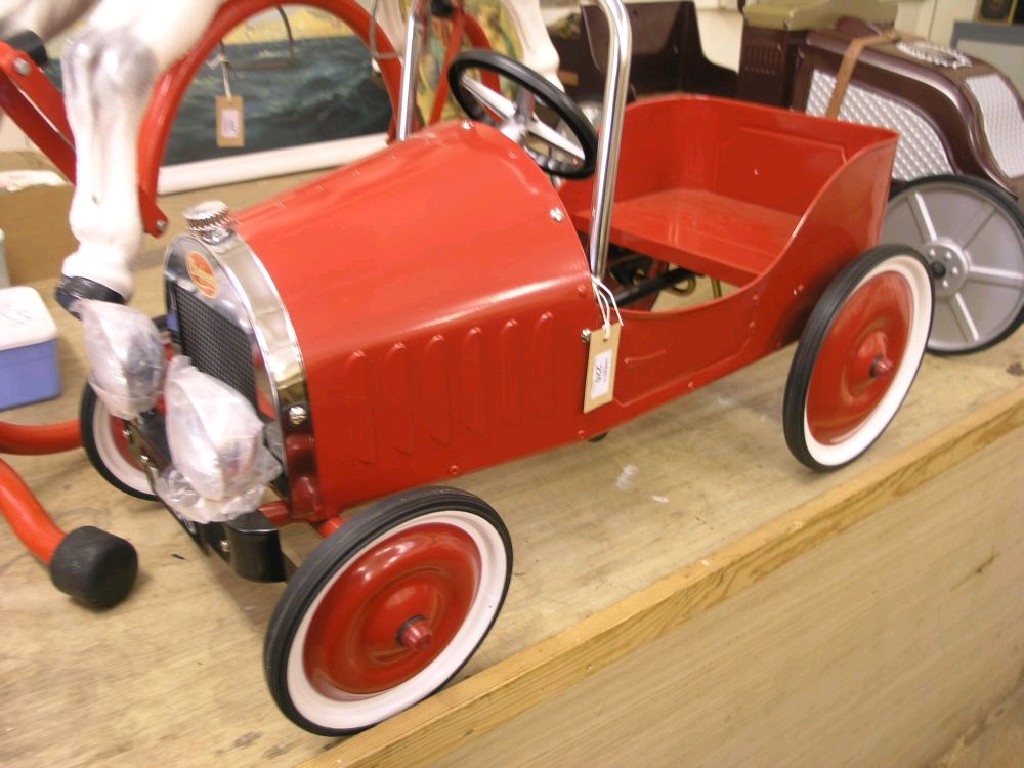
{"type": "Point", "coordinates": [997, 11]}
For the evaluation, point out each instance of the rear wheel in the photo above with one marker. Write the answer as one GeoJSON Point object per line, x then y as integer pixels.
{"type": "Point", "coordinates": [387, 610]}
{"type": "Point", "coordinates": [857, 357]}
{"type": "Point", "coordinates": [972, 234]}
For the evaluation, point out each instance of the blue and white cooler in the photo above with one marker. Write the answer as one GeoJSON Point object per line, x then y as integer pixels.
{"type": "Point", "coordinates": [28, 349]}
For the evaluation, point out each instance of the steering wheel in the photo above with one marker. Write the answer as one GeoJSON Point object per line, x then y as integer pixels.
{"type": "Point", "coordinates": [569, 157]}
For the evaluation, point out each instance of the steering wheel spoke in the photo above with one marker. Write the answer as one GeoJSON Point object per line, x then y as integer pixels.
{"type": "Point", "coordinates": [572, 156]}
{"type": "Point", "coordinates": [556, 140]}
{"type": "Point", "coordinates": [500, 108]}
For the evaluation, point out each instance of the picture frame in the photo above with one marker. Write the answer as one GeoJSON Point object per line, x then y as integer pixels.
{"type": "Point", "coordinates": [998, 11]}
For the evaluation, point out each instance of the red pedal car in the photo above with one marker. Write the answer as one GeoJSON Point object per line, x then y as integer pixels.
{"type": "Point", "coordinates": [443, 306]}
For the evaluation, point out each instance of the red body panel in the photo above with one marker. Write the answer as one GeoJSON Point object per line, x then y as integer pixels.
{"type": "Point", "coordinates": [722, 176]}
{"type": "Point", "coordinates": [439, 305]}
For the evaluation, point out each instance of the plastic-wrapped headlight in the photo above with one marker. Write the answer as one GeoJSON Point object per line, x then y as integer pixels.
{"type": "Point", "coordinates": [126, 355]}
{"type": "Point", "coordinates": [219, 463]}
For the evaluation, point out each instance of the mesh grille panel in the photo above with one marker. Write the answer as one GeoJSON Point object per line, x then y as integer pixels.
{"type": "Point", "coordinates": [215, 345]}
{"type": "Point", "coordinates": [919, 152]}
{"type": "Point", "coordinates": [1003, 122]}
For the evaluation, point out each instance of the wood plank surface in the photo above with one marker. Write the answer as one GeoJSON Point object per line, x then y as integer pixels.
{"type": "Point", "coordinates": [865, 651]}
{"type": "Point", "coordinates": [620, 546]}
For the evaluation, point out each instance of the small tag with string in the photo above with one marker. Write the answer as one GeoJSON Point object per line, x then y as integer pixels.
{"type": "Point", "coordinates": [604, 350]}
{"type": "Point", "coordinates": [230, 112]}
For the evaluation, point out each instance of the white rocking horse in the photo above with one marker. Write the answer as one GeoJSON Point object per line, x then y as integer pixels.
{"type": "Point", "coordinates": [109, 69]}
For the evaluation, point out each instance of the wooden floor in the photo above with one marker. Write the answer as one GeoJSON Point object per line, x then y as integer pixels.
{"type": "Point", "coordinates": [684, 590]}
{"type": "Point", "coordinates": [995, 742]}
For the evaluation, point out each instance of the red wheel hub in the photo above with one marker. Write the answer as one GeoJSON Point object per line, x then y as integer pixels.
{"type": "Point", "coordinates": [393, 610]}
{"type": "Point", "coordinates": [859, 357]}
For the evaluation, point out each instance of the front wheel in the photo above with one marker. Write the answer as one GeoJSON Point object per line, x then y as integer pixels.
{"type": "Point", "coordinates": [387, 610]}
{"type": "Point", "coordinates": [106, 445]}
{"type": "Point", "coordinates": [857, 357]}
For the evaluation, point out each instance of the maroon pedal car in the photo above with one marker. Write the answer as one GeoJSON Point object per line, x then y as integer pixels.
{"type": "Point", "coordinates": [443, 306]}
{"type": "Point", "coordinates": [958, 178]}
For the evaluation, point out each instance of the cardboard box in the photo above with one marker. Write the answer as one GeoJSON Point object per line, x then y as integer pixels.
{"type": "Point", "coordinates": [28, 349]}
{"type": "Point", "coordinates": [37, 236]}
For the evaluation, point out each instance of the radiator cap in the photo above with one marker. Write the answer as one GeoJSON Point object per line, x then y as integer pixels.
{"type": "Point", "coordinates": [209, 219]}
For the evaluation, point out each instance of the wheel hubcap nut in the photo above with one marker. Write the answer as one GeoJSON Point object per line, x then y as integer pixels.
{"type": "Point", "coordinates": [881, 366]}
{"type": "Point", "coordinates": [416, 634]}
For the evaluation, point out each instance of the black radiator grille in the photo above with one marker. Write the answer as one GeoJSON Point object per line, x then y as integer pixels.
{"type": "Point", "coordinates": [215, 345]}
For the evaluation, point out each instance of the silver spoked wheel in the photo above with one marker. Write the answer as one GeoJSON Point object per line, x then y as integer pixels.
{"type": "Point", "coordinates": [972, 234]}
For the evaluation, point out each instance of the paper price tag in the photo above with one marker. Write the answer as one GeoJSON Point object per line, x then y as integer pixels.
{"type": "Point", "coordinates": [230, 121]}
{"type": "Point", "coordinates": [600, 384]}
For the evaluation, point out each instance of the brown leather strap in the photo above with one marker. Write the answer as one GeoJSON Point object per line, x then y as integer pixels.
{"type": "Point", "coordinates": [849, 62]}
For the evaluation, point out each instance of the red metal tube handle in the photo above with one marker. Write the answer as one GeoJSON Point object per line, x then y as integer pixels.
{"type": "Point", "coordinates": [26, 515]}
{"type": "Point", "coordinates": [39, 440]}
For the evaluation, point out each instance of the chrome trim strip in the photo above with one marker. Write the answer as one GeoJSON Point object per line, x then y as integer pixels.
{"type": "Point", "coordinates": [415, 32]}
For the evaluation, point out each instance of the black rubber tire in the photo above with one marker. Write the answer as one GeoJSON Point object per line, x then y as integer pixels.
{"type": "Point", "coordinates": [124, 480]}
{"type": "Point", "coordinates": [801, 443]}
{"type": "Point", "coordinates": [317, 574]}
{"type": "Point", "coordinates": [93, 414]}
{"type": "Point", "coordinates": [564, 108]}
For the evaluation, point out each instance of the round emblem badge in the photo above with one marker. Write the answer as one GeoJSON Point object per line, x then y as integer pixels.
{"type": "Point", "coordinates": [201, 272]}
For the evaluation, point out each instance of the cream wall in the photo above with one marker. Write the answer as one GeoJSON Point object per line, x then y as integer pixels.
{"type": "Point", "coordinates": [933, 18]}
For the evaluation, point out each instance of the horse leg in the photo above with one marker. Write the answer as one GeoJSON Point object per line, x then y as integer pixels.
{"type": "Point", "coordinates": [109, 75]}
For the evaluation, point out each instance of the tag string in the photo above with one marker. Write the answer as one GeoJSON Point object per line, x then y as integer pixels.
{"type": "Point", "coordinates": [222, 61]}
{"type": "Point", "coordinates": [606, 303]}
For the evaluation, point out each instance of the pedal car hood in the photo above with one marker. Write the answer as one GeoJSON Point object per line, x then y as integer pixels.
{"type": "Point", "coordinates": [454, 223]}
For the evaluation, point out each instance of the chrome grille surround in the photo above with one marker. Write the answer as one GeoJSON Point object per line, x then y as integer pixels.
{"type": "Point", "coordinates": [241, 334]}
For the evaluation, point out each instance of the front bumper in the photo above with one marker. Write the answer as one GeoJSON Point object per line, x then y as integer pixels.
{"type": "Point", "coordinates": [250, 543]}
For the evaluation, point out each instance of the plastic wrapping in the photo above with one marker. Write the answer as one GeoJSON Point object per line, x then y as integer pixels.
{"type": "Point", "coordinates": [126, 354]}
{"type": "Point", "coordinates": [220, 463]}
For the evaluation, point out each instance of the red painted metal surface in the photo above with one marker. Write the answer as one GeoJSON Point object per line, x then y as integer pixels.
{"type": "Point", "coordinates": [864, 346]}
{"type": "Point", "coordinates": [26, 516]}
{"type": "Point", "coordinates": [392, 610]}
{"type": "Point", "coordinates": [24, 440]}
{"type": "Point", "coordinates": [732, 176]}
{"type": "Point", "coordinates": [36, 107]}
{"type": "Point", "coordinates": [443, 331]}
